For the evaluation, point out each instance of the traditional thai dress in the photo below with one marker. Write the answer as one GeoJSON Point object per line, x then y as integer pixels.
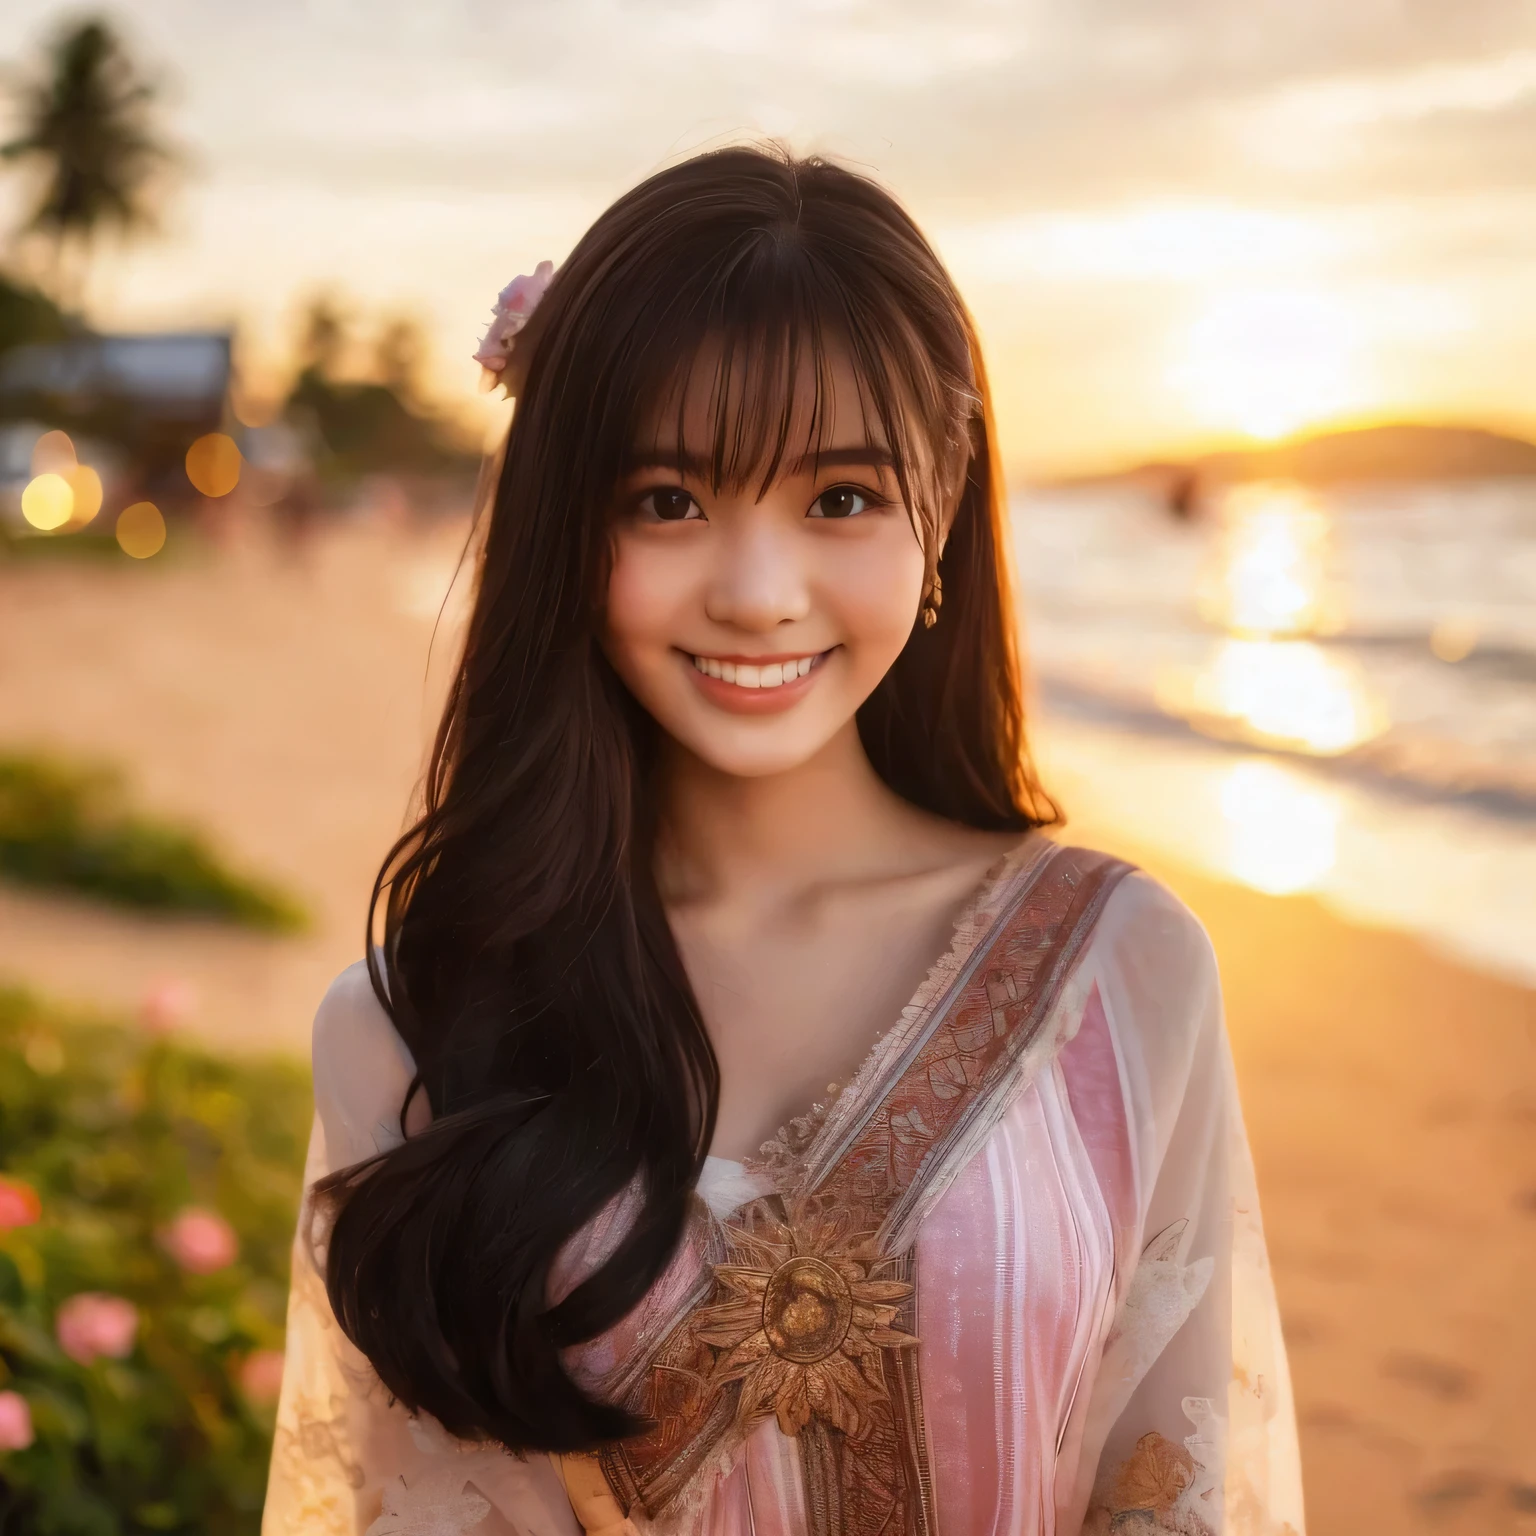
{"type": "Point", "coordinates": [1011, 1279]}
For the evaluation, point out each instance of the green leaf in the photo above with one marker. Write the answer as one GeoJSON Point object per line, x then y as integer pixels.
{"type": "Point", "coordinates": [10, 1281]}
{"type": "Point", "coordinates": [125, 1133]}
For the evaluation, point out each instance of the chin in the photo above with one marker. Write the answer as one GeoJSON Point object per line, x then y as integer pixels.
{"type": "Point", "coordinates": [781, 751]}
{"type": "Point", "coordinates": [757, 766]}
{"type": "Point", "coordinates": [747, 748]}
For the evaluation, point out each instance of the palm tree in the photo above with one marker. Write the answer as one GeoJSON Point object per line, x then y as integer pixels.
{"type": "Point", "coordinates": [400, 356]}
{"type": "Point", "coordinates": [87, 126]}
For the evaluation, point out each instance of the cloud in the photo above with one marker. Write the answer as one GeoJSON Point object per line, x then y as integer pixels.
{"type": "Point", "coordinates": [1089, 167]}
{"type": "Point", "coordinates": [1044, 102]}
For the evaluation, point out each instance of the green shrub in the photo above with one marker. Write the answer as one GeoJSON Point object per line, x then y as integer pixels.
{"type": "Point", "coordinates": [117, 1132]}
{"type": "Point", "coordinates": [65, 826]}
{"type": "Point", "coordinates": [92, 542]}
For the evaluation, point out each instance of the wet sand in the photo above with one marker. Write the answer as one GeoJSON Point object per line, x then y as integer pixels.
{"type": "Point", "coordinates": [283, 703]}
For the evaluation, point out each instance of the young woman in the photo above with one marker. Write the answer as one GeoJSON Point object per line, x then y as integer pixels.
{"type": "Point", "coordinates": [751, 1123]}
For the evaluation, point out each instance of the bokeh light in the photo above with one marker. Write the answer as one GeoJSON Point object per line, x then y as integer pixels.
{"type": "Point", "coordinates": [213, 464]}
{"type": "Point", "coordinates": [1454, 638]}
{"type": "Point", "coordinates": [53, 454]}
{"type": "Point", "coordinates": [255, 410]}
{"type": "Point", "coordinates": [141, 530]}
{"type": "Point", "coordinates": [85, 486]}
{"type": "Point", "coordinates": [48, 502]}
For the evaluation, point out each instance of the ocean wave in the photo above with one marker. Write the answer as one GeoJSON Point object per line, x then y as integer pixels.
{"type": "Point", "coordinates": [1399, 762]}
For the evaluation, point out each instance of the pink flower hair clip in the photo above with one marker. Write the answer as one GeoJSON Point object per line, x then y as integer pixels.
{"type": "Point", "coordinates": [515, 304]}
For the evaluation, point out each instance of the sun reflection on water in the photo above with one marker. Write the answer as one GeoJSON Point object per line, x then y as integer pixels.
{"type": "Point", "coordinates": [1270, 585]}
{"type": "Point", "coordinates": [1281, 833]}
{"type": "Point", "coordinates": [1271, 567]}
{"type": "Point", "coordinates": [1282, 693]}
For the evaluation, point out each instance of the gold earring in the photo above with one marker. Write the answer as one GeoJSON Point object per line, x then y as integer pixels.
{"type": "Point", "coordinates": [932, 602]}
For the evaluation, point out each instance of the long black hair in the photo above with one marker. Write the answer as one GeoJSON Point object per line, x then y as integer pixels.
{"type": "Point", "coordinates": [526, 957]}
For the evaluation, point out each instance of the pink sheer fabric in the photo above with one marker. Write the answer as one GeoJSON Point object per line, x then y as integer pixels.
{"type": "Point", "coordinates": [1099, 1342]}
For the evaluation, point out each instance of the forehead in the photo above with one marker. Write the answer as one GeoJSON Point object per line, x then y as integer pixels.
{"type": "Point", "coordinates": [739, 412]}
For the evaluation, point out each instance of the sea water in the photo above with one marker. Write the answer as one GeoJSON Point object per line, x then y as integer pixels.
{"type": "Point", "coordinates": [1320, 691]}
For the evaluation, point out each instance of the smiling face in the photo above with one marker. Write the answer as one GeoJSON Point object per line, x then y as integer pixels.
{"type": "Point", "coordinates": [751, 622]}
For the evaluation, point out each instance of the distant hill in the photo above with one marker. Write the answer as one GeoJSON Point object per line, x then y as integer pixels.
{"type": "Point", "coordinates": [1399, 452]}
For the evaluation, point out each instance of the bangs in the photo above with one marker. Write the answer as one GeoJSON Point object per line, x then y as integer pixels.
{"type": "Point", "coordinates": [750, 378]}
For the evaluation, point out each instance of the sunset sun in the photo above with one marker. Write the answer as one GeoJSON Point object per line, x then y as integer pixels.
{"type": "Point", "coordinates": [1267, 362]}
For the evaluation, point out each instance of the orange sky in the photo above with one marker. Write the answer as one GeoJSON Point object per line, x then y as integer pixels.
{"type": "Point", "coordinates": [1178, 224]}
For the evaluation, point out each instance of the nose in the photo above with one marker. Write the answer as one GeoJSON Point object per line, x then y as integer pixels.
{"type": "Point", "coordinates": [758, 580]}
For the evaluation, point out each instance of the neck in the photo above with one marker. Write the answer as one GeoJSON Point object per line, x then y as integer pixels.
{"type": "Point", "coordinates": [831, 817]}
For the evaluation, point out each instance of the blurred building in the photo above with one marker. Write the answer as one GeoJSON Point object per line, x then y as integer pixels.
{"type": "Point", "coordinates": [147, 396]}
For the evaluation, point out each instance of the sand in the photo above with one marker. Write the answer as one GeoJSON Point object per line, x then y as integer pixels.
{"type": "Point", "coordinates": [280, 704]}
{"type": "Point", "coordinates": [283, 703]}
{"type": "Point", "coordinates": [1391, 1105]}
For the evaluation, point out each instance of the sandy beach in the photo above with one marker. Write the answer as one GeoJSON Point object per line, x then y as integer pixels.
{"type": "Point", "coordinates": [282, 703]}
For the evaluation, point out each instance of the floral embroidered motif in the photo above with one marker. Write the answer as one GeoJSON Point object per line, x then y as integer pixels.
{"type": "Point", "coordinates": [1163, 1292]}
{"type": "Point", "coordinates": [323, 1436]}
{"type": "Point", "coordinates": [1157, 1473]}
{"type": "Point", "coordinates": [1152, 1491]}
{"type": "Point", "coordinates": [780, 1158]}
{"type": "Point", "coordinates": [438, 1504]}
{"type": "Point", "coordinates": [803, 1323]}
{"type": "Point", "coordinates": [315, 1501]}
{"type": "Point", "coordinates": [440, 1499]}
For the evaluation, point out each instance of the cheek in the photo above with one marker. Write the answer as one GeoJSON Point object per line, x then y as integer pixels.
{"type": "Point", "coordinates": [875, 587]}
{"type": "Point", "coordinates": [646, 588]}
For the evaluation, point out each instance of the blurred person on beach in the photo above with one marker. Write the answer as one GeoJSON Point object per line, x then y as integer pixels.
{"type": "Point", "coordinates": [296, 514]}
{"type": "Point", "coordinates": [751, 1121]}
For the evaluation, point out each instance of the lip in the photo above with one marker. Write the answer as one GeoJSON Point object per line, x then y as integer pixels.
{"type": "Point", "coordinates": [753, 701]}
{"type": "Point", "coordinates": [766, 659]}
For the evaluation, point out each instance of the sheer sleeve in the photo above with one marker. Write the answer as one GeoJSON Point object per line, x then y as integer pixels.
{"type": "Point", "coordinates": [347, 1460]}
{"type": "Point", "coordinates": [1190, 1426]}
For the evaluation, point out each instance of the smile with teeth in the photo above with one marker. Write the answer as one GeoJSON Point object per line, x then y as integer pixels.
{"type": "Point", "coordinates": [773, 674]}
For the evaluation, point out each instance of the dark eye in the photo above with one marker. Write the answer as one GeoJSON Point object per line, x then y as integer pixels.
{"type": "Point", "coordinates": [841, 501]}
{"type": "Point", "coordinates": [671, 504]}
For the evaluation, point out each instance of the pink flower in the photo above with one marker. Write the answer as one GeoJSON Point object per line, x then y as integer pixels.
{"type": "Point", "coordinates": [261, 1375]}
{"type": "Point", "coordinates": [167, 1004]}
{"type": "Point", "coordinates": [19, 1205]}
{"type": "Point", "coordinates": [514, 304]}
{"type": "Point", "coordinates": [15, 1422]}
{"type": "Point", "coordinates": [93, 1324]}
{"type": "Point", "coordinates": [201, 1241]}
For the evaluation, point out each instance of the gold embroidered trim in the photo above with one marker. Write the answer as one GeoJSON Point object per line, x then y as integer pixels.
{"type": "Point", "coordinates": [802, 1321]}
{"type": "Point", "coordinates": [782, 1158]}
{"type": "Point", "coordinates": [912, 1111]}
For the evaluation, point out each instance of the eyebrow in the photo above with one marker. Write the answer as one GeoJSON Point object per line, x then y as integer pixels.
{"type": "Point", "coordinates": [865, 455]}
